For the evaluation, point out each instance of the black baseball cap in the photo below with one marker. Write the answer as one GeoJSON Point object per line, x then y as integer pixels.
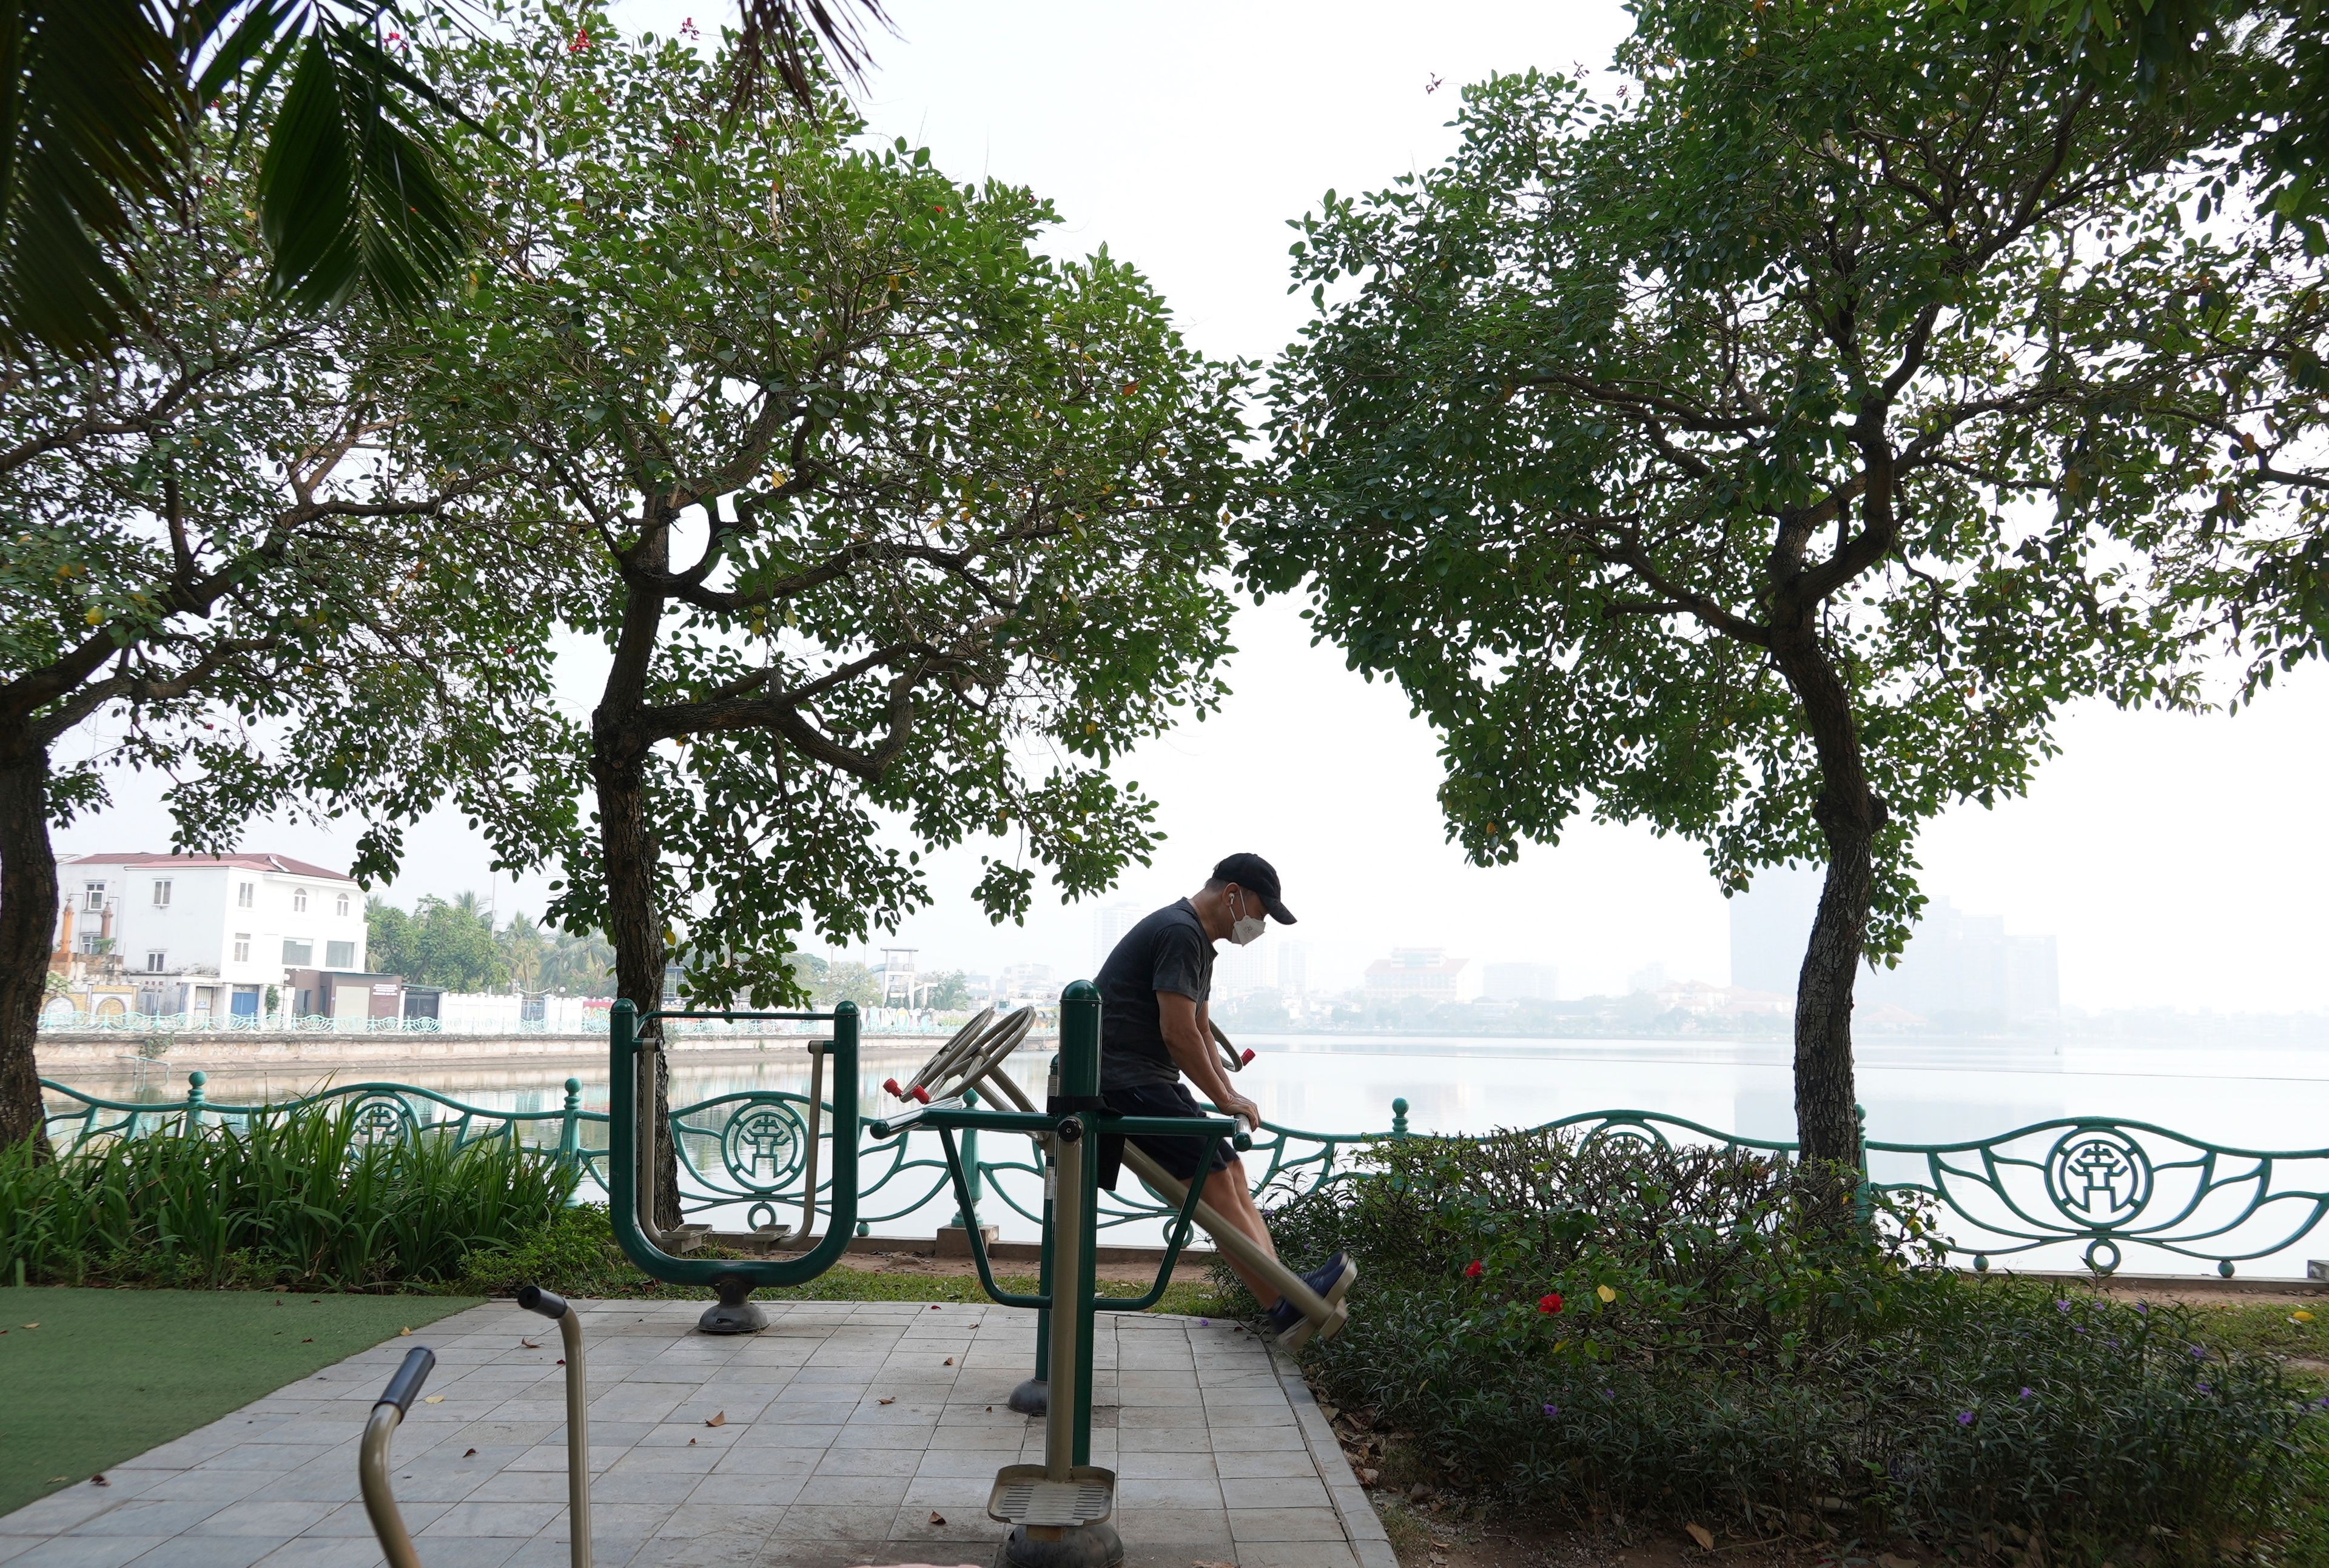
{"type": "Point", "coordinates": [1251, 871]}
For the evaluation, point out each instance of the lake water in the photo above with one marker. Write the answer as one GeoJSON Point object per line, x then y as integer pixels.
{"type": "Point", "coordinates": [1928, 1091]}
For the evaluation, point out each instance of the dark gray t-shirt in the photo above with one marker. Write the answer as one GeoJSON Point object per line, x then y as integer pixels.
{"type": "Point", "coordinates": [1166, 950]}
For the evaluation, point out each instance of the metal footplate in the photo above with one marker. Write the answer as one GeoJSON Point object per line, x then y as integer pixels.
{"type": "Point", "coordinates": [1026, 1494]}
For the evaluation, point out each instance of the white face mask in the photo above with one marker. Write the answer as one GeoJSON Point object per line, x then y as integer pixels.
{"type": "Point", "coordinates": [1246, 928]}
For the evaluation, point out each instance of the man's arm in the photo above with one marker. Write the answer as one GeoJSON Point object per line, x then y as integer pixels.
{"type": "Point", "coordinates": [1183, 1023]}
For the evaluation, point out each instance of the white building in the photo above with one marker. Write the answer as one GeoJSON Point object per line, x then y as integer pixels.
{"type": "Point", "coordinates": [206, 934]}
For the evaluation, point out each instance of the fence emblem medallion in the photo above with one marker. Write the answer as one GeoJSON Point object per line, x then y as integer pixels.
{"type": "Point", "coordinates": [762, 1146]}
{"type": "Point", "coordinates": [382, 1118]}
{"type": "Point", "coordinates": [2098, 1177]}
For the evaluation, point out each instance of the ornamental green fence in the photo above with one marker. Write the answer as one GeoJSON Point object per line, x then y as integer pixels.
{"type": "Point", "coordinates": [2097, 1192]}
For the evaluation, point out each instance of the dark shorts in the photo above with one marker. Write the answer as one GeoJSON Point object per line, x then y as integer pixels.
{"type": "Point", "coordinates": [1181, 1157]}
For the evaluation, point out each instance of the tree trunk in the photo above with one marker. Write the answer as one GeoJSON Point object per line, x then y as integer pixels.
{"type": "Point", "coordinates": [1849, 813]}
{"type": "Point", "coordinates": [627, 854]}
{"type": "Point", "coordinates": [28, 924]}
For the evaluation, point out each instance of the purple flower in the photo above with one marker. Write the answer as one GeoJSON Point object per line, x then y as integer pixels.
{"type": "Point", "coordinates": [1608, 1394]}
{"type": "Point", "coordinates": [1553, 1409]}
{"type": "Point", "coordinates": [2197, 1353]}
{"type": "Point", "coordinates": [2323, 1401]}
{"type": "Point", "coordinates": [2025, 1393]}
{"type": "Point", "coordinates": [2078, 1327]}
{"type": "Point", "coordinates": [2061, 1306]}
{"type": "Point", "coordinates": [2143, 1308]}
{"type": "Point", "coordinates": [2205, 1389]}
{"type": "Point", "coordinates": [1965, 1418]}
{"type": "Point", "coordinates": [1204, 1322]}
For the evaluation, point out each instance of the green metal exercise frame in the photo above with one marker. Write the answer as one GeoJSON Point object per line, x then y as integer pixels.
{"type": "Point", "coordinates": [1059, 1510]}
{"type": "Point", "coordinates": [631, 1106]}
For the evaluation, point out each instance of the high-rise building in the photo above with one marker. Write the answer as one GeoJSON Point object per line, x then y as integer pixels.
{"type": "Point", "coordinates": [1293, 968]}
{"type": "Point", "coordinates": [1519, 982]}
{"type": "Point", "coordinates": [1958, 969]}
{"type": "Point", "coordinates": [1239, 971]}
{"type": "Point", "coordinates": [1027, 981]}
{"type": "Point", "coordinates": [1418, 971]}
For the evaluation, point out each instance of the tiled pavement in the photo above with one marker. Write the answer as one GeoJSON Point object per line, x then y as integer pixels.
{"type": "Point", "coordinates": [847, 1437]}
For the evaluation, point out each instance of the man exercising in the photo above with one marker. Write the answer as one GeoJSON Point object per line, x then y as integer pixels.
{"type": "Point", "coordinates": [1156, 1026]}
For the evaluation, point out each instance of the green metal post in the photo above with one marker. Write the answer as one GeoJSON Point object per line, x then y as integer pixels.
{"type": "Point", "coordinates": [570, 1132]}
{"type": "Point", "coordinates": [969, 1164]}
{"type": "Point", "coordinates": [195, 1097]}
{"type": "Point", "coordinates": [1398, 1118]}
{"type": "Point", "coordinates": [1078, 1081]}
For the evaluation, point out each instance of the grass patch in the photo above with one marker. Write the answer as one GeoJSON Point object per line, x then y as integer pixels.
{"type": "Point", "coordinates": [111, 1373]}
{"type": "Point", "coordinates": [2269, 1329]}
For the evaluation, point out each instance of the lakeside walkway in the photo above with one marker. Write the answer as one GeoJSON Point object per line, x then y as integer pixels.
{"type": "Point", "coordinates": [846, 1438]}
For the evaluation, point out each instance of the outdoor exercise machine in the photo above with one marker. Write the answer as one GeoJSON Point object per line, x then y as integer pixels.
{"type": "Point", "coordinates": [634, 1169]}
{"type": "Point", "coordinates": [971, 1060]}
{"type": "Point", "coordinates": [388, 1412]}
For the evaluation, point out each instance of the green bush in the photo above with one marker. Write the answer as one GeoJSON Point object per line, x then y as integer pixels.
{"type": "Point", "coordinates": [297, 1198]}
{"type": "Point", "coordinates": [1620, 1331]}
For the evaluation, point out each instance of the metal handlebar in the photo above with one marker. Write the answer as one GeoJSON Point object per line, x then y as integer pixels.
{"type": "Point", "coordinates": [371, 1459]}
{"type": "Point", "coordinates": [552, 1306]}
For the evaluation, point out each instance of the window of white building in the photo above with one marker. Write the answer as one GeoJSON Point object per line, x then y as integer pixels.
{"type": "Point", "coordinates": [155, 961]}
{"type": "Point", "coordinates": [344, 905]}
{"type": "Point", "coordinates": [297, 954]}
{"type": "Point", "coordinates": [242, 947]}
{"type": "Point", "coordinates": [339, 955]}
{"type": "Point", "coordinates": [245, 894]}
{"type": "Point", "coordinates": [299, 900]}
{"type": "Point", "coordinates": [93, 897]}
{"type": "Point", "coordinates": [162, 893]}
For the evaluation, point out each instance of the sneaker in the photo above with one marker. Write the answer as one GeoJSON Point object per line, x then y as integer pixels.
{"type": "Point", "coordinates": [1332, 1281]}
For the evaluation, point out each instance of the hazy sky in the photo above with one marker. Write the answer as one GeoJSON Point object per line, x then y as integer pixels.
{"type": "Point", "coordinates": [2179, 860]}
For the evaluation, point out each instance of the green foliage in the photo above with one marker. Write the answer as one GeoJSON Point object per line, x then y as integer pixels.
{"type": "Point", "coordinates": [1649, 1334]}
{"type": "Point", "coordinates": [956, 502]}
{"type": "Point", "coordinates": [213, 533]}
{"type": "Point", "coordinates": [450, 945]}
{"type": "Point", "coordinates": [298, 1199]}
{"type": "Point", "coordinates": [1682, 453]}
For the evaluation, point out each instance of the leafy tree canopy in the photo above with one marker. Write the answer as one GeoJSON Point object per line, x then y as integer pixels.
{"type": "Point", "coordinates": [886, 518]}
{"type": "Point", "coordinates": [1715, 455]}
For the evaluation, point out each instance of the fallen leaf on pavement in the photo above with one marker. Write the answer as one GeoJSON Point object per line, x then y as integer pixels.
{"type": "Point", "coordinates": [432, 1399]}
{"type": "Point", "coordinates": [949, 1361]}
{"type": "Point", "coordinates": [719, 1420]}
{"type": "Point", "coordinates": [98, 1480]}
{"type": "Point", "coordinates": [470, 1455]}
{"type": "Point", "coordinates": [530, 1344]}
{"type": "Point", "coordinates": [691, 1442]}
{"type": "Point", "coordinates": [891, 1400]}
{"type": "Point", "coordinates": [937, 1517]}
{"type": "Point", "coordinates": [402, 1332]}
{"type": "Point", "coordinates": [1703, 1535]}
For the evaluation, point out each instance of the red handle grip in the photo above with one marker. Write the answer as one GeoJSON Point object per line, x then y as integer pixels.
{"type": "Point", "coordinates": [1248, 1055]}
{"type": "Point", "coordinates": [895, 1091]}
{"type": "Point", "coordinates": [921, 1094]}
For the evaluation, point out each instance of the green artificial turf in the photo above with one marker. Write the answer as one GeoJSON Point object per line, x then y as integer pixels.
{"type": "Point", "coordinates": [109, 1374]}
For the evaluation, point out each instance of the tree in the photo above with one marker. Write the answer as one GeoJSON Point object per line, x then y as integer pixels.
{"type": "Point", "coordinates": [1720, 458]}
{"type": "Point", "coordinates": [211, 533]}
{"type": "Point", "coordinates": [109, 99]}
{"type": "Point", "coordinates": [450, 945]}
{"type": "Point", "coordinates": [880, 513]}
{"type": "Point", "coordinates": [946, 990]}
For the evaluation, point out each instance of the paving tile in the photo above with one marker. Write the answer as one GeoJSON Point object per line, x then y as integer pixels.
{"type": "Point", "coordinates": [1296, 1555]}
{"type": "Point", "coordinates": [209, 1552]}
{"type": "Point", "coordinates": [1274, 1492]}
{"type": "Point", "coordinates": [1281, 1525]}
{"type": "Point", "coordinates": [519, 1519]}
{"type": "Point", "coordinates": [324, 1551]}
{"type": "Point", "coordinates": [86, 1551]}
{"type": "Point", "coordinates": [1173, 1492]}
{"type": "Point", "coordinates": [281, 1517]}
{"type": "Point", "coordinates": [1182, 1527]}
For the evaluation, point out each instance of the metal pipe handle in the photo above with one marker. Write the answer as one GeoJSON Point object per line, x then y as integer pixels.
{"type": "Point", "coordinates": [372, 1458]}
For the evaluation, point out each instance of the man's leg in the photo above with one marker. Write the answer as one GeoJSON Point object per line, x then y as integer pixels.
{"type": "Point", "coordinates": [1228, 1195]}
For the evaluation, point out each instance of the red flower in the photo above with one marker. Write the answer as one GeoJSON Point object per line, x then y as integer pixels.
{"type": "Point", "coordinates": [1548, 1303]}
{"type": "Point", "coordinates": [1474, 1269]}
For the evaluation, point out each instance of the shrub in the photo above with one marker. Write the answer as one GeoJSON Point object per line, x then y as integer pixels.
{"type": "Point", "coordinates": [298, 1198]}
{"type": "Point", "coordinates": [1628, 1330]}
